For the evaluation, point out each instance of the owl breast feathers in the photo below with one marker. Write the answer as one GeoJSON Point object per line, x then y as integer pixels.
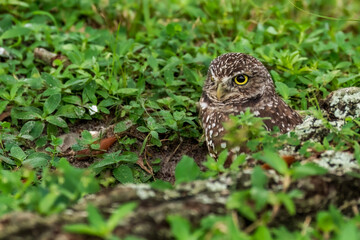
{"type": "Point", "coordinates": [236, 81]}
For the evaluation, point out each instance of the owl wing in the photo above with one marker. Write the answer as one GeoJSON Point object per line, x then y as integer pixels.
{"type": "Point", "coordinates": [281, 115]}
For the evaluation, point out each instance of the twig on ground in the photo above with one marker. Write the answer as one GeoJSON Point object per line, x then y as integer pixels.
{"type": "Point", "coordinates": [49, 57]}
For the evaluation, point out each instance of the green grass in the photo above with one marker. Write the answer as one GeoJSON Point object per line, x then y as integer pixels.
{"type": "Point", "coordinates": [143, 63]}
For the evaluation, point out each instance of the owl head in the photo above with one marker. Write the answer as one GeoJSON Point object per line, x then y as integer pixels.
{"type": "Point", "coordinates": [236, 78]}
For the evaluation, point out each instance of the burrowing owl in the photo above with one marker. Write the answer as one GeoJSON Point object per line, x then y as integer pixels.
{"type": "Point", "coordinates": [236, 81]}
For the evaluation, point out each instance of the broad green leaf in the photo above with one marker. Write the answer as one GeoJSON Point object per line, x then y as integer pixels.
{"type": "Point", "coordinates": [130, 157]}
{"type": "Point", "coordinates": [288, 203]}
{"type": "Point", "coordinates": [169, 120]}
{"type": "Point", "coordinates": [155, 141]}
{"type": "Point", "coordinates": [95, 219]}
{"type": "Point", "coordinates": [106, 102]}
{"type": "Point", "coordinates": [56, 141]}
{"type": "Point", "coordinates": [51, 91]}
{"type": "Point", "coordinates": [186, 170]}
{"type": "Point", "coordinates": [95, 146]}
{"type": "Point", "coordinates": [37, 159]}
{"type": "Point", "coordinates": [37, 130]}
{"type": "Point", "coordinates": [16, 31]}
{"type": "Point", "coordinates": [124, 46]}
{"type": "Point", "coordinates": [19, 3]}
{"type": "Point", "coordinates": [109, 159]}
{"type": "Point", "coordinates": [239, 160]}
{"type": "Point", "coordinates": [127, 91]}
{"type": "Point", "coordinates": [262, 233]}
{"type": "Point", "coordinates": [3, 105]}
{"type": "Point", "coordinates": [33, 129]}
{"type": "Point", "coordinates": [26, 128]}
{"type": "Point", "coordinates": [261, 197]}
{"type": "Point", "coordinates": [211, 164]}
{"type": "Point", "coordinates": [349, 232]}
{"type": "Point", "coordinates": [72, 99]}
{"type": "Point", "coordinates": [238, 201]}
{"type": "Point", "coordinates": [28, 113]}
{"type": "Point", "coordinates": [14, 90]}
{"type": "Point", "coordinates": [123, 174]}
{"type": "Point", "coordinates": [48, 14]}
{"type": "Point", "coordinates": [153, 63]}
{"type": "Point", "coordinates": [122, 126]}
{"type": "Point", "coordinates": [7, 160]}
{"type": "Point", "coordinates": [309, 169]}
{"type": "Point", "coordinates": [86, 135]}
{"type": "Point", "coordinates": [5, 95]}
{"type": "Point", "coordinates": [82, 229]}
{"type": "Point", "coordinates": [180, 227]}
{"type": "Point", "coordinates": [191, 75]}
{"type": "Point", "coordinates": [325, 222]}
{"type": "Point", "coordinates": [271, 30]}
{"type": "Point", "coordinates": [282, 89]}
{"type": "Point", "coordinates": [57, 121]}
{"type": "Point", "coordinates": [357, 152]}
{"type": "Point", "coordinates": [51, 80]}
{"type": "Point", "coordinates": [52, 103]}
{"type": "Point", "coordinates": [222, 158]}
{"type": "Point", "coordinates": [70, 111]}
{"type": "Point", "coordinates": [273, 159]}
{"type": "Point", "coordinates": [179, 115]}
{"type": "Point", "coordinates": [80, 112]}
{"type": "Point", "coordinates": [47, 202]}
{"type": "Point", "coordinates": [344, 65]}
{"type": "Point", "coordinates": [112, 158]}
{"type": "Point", "coordinates": [89, 91]}
{"type": "Point", "coordinates": [154, 134]}
{"type": "Point", "coordinates": [143, 129]}
{"type": "Point", "coordinates": [258, 177]}
{"type": "Point", "coordinates": [17, 153]}
{"type": "Point", "coordinates": [342, 80]}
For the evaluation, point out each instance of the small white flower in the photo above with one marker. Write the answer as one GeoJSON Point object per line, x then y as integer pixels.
{"type": "Point", "coordinates": [3, 52]}
{"type": "Point", "coordinates": [93, 109]}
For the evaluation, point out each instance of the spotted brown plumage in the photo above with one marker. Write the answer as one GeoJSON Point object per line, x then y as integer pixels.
{"type": "Point", "coordinates": [236, 81]}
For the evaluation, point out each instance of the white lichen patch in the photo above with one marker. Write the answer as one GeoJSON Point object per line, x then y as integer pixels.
{"type": "Point", "coordinates": [314, 129]}
{"type": "Point", "coordinates": [216, 186]}
{"type": "Point", "coordinates": [287, 151]}
{"type": "Point", "coordinates": [226, 179]}
{"type": "Point", "coordinates": [345, 103]}
{"type": "Point", "coordinates": [170, 194]}
{"type": "Point", "coordinates": [307, 127]}
{"type": "Point", "coordinates": [211, 200]}
{"type": "Point", "coordinates": [346, 95]}
{"type": "Point", "coordinates": [143, 191]}
{"type": "Point", "coordinates": [337, 124]}
{"type": "Point", "coordinates": [194, 188]}
{"type": "Point", "coordinates": [337, 162]}
{"type": "Point", "coordinates": [318, 123]}
{"type": "Point", "coordinates": [341, 114]}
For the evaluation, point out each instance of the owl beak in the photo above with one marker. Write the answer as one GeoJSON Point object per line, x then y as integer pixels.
{"type": "Point", "coordinates": [220, 91]}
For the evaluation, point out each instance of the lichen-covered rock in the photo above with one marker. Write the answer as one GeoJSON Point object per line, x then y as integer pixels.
{"type": "Point", "coordinates": [342, 103]}
{"type": "Point", "coordinates": [337, 163]}
{"type": "Point", "coordinates": [311, 129]}
{"type": "Point", "coordinates": [339, 105]}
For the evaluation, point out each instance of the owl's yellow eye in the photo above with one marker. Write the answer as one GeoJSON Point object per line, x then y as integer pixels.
{"type": "Point", "coordinates": [241, 79]}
